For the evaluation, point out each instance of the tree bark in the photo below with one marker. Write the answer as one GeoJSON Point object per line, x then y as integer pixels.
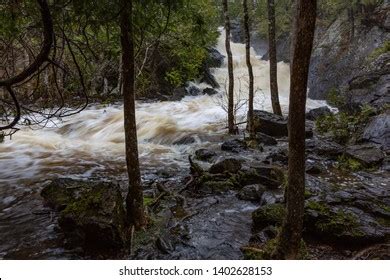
{"type": "Point", "coordinates": [134, 199]}
{"type": "Point", "coordinates": [272, 58]}
{"type": "Point", "coordinates": [291, 232]}
{"type": "Point", "coordinates": [231, 121]}
{"type": "Point", "coordinates": [250, 70]}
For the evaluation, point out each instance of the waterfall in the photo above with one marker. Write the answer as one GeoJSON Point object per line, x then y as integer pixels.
{"type": "Point", "coordinates": [93, 141]}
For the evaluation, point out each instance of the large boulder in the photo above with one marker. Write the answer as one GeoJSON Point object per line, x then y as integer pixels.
{"type": "Point", "coordinates": [366, 154]}
{"type": "Point", "coordinates": [210, 91]}
{"type": "Point", "coordinates": [267, 175]}
{"type": "Point", "coordinates": [91, 214]}
{"type": "Point", "coordinates": [204, 154]}
{"type": "Point", "coordinates": [178, 94]}
{"type": "Point", "coordinates": [235, 146]}
{"type": "Point", "coordinates": [342, 224]}
{"type": "Point", "coordinates": [229, 165]}
{"type": "Point", "coordinates": [265, 139]}
{"type": "Point", "coordinates": [215, 58]}
{"type": "Point", "coordinates": [316, 113]}
{"type": "Point", "coordinates": [378, 131]}
{"type": "Point", "coordinates": [337, 214]}
{"type": "Point", "coordinates": [252, 192]}
{"type": "Point", "coordinates": [324, 148]}
{"type": "Point", "coordinates": [270, 124]}
{"type": "Point", "coordinates": [208, 78]}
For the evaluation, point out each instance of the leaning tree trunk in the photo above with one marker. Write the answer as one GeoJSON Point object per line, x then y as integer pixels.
{"type": "Point", "coordinates": [231, 124]}
{"type": "Point", "coordinates": [272, 59]}
{"type": "Point", "coordinates": [134, 199]}
{"type": "Point", "coordinates": [250, 70]}
{"type": "Point", "coordinates": [291, 232]}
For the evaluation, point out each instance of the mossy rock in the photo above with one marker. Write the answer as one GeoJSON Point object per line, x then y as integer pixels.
{"type": "Point", "coordinates": [270, 176]}
{"type": "Point", "coordinates": [266, 251]}
{"type": "Point", "coordinates": [92, 214]}
{"type": "Point", "coordinates": [341, 225]}
{"type": "Point", "coordinates": [215, 183]}
{"type": "Point", "coordinates": [271, 214]}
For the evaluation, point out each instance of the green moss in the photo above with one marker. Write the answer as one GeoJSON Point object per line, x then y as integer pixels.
{"type": "Point", "coordinates": [266, 251]}
{"type": "Point", "coordinates": [385, 48]}
{"type": "Point", "coordinates": [148, 201]}
{"type": "Point", "coordinates": [316, 206]}
{"type": "Point", "coordinates": [346, 163]}
{"type": "Point", "coordinates": [383, 221]}
{"type": "Point", "coordinates": [331, 223]}
{"type": "Point", "coordinates": [216, 183]}
{"type": "Point", "coordinates": [385, 207]}
{"type": "Point", "coordinates": [262, 253]}
{"type": "Point", "coordinates": [343, 127]}
{"type": "Point", "coordinates": [334, 98]}
{"type": "Point", "coordinates": [308, 194]}
{"type": "Point", "coordinates": [340, 223]}
{"type": "Point", "coordinates": [219, 186]}
{"type": "Point", "coordinates": [271, 214]}
{"type": "Point", "coordinates": [147, 236]}
{"type": "Point", "coordinates": [87, 204]}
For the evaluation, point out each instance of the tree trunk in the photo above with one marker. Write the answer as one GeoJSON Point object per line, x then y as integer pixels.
{"type": "Point", "coordinates": [231, 124]}
{"type": "Point", "coordinates": [134, 199]}
{"type": "Point", "coordinates": [272, 59]}
{"type": "Point", "coordinates": [291, 232]}
{"type": "Point", "coordinates": [250, 70]}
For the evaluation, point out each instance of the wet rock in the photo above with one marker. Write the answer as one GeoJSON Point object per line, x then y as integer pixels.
{"type": "Point", "coordinates": [313, 169]}
{"type": "Point", "coordinates": [265, 139]}
{"type": "Point", "coordinates": [378, 131]}
{"type": "Point", "coordinates": [341, 224]}
{"type": "Point", "coordinates": [164, 244]}
{"type": "Point", "coordinates": [237, 31]}
{"type": "Point", "coordinates": [251, 192]}
{"type": "Point", "coordinates": [271, 197]}
{"type": "Point", "coordinates": [280, 156]}
{"type": "Point", "coordinates": [282, 48]}
{"type": "Point", "coordinates": [215, 58]}
{"type": "Point", "coordinates": [309, 129]}
{"type": "Point", "coordinates": [267, 175]}
{"type": "Point", "coordinates": [268, 215]}
{"type": "Point", "coordinates": [230, 165]}
{"type": "Point", "coordinates": [263, 236]}
{"type": "Point", "coordinates": [178, 94]}
{"type": "Point", "coordinates": [270, 124]}
{"type": "Point", "coordinates": [324, 148]}
{"type": "Point", "coordinates": [316, 113]}
{"type": "Point", "coordinates": [208, 78]}
{"type": "Point", "coordinates": [186, 140]}
{"type": "Point", "coordinates": [204, 154]}
{"type": "Point", "coordinates": [366, 154]}
{"type": "Point", "coordinates": [193, 90]}
{"type": "Point", "coordinates": [335, 64]}
{"type": "Point", "coordinates": [335, 214]}
{"type": "Point", "coordinates": [375, 252]}
{"type": "Point", "coordinates": [91, 214]}
{"type": "Point", "coordinates": [210, 91]}
{"type": "Point", "coordinates": [236, 145]}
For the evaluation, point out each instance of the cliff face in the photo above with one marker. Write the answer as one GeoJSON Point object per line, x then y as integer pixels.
{"type": "Point", "coordinates": [350, 57]}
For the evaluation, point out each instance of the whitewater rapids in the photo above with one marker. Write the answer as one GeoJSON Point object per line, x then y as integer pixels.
{"type": "Point", "coordinates": [93, 141]}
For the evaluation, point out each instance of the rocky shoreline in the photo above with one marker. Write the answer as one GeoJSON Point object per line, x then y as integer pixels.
{"type": "Point", "coordinates": [346, 211]}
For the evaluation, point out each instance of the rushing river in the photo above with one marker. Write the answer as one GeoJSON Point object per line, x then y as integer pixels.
{"type": "Point", "coordinates": [91, 144]}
